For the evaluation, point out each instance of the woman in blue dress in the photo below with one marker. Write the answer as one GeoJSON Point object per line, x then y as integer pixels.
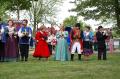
{"type": "Point", "coordinates": [62, 51]}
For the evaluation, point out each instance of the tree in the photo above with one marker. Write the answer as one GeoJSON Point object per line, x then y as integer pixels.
{"type": "Point", "coordinates": [71, 21]}
{"type": "Point", "coordinates": [17, 5]}
{"type": "Point", "coordinates": [117, 12]}
{"type": "Point", "coordinates": [104, 10]}
{"type": "Point", "coordinates": [3, 9]}
{"type": "Point", "coordinates": [14, 5]}
{"type": "Point", "coordinates": [41, 9]}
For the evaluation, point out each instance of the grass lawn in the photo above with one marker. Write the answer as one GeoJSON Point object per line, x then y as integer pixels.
{"type": "Point", "coordinates": [39, 69]}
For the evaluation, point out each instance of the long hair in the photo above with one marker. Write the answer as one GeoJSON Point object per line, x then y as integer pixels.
{"type": "Point", "coordinates": [11, 21]}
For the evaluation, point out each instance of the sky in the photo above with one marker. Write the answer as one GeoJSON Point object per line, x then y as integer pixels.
{"type": "Point", "coordinates": [64, 10]}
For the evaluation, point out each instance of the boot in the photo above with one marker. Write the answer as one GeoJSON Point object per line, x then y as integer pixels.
{"type": "Point", "coordinates": [26, 58]}
{"type": "Point", "coordinates": [39, 58]}
{"type": "Point", "coordinates": [72, 57]}
{"type": "Point", "coordinates": [79, 56]}
{"type": "Point", "coordinates": [22, 58]}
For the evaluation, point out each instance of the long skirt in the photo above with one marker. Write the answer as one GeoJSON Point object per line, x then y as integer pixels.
{"type": "Point", "coordinates": [111, 47]}
{"type": "Point", "coordinates": [11, 49]}
{"type": "Point", "coordinates": [87, 48]}
{"type": "Point", "coordinates": [62, 50]}
{"type": "Point", "coordinates": [41, 50]}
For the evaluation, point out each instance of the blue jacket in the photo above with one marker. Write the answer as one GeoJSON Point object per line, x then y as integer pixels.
{"type": "Point", "coordinates": [25, 39]}
{"type": "Point", "coordinates": [90, 36]}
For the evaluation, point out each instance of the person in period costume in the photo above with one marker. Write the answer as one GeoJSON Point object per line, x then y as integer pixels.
{"type": "Point", "coordinates": [11, 48]}
{"type": "Point", "coordinates": [87, 43]}
{"type": "Point", "coordinates": [41, 49]}
{"type": "Point", "coordinates": [101, 37]}
{"type": "Point", "coordinates": [51, 32]}
{"type": "Point", "coordinates": [76, 41]}
{"type": "Point", "coordinates": [49, 40]}
{"type": "Point", "coordinates": [111, 41]}
{"type": "Point", "coordinates": [52, 29]}
{"type": "Point", "coordinates": [95, 41]}
{"type": "Point", "coordinates": [31, 42]}
{"type": "Point", "coordinates": [53, 43]}
{"type": "Point", "coordinates": [2, 42]}
{"type": "Point", "coordinates": [25, 33]}
{"type": "Point", "coordinates": [17, 40]}
{"type": "Point", "coordinates": [68, 29]}
{"type": "Point", "coordinates": [62, 51]}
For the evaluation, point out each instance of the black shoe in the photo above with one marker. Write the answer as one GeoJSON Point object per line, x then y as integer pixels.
{"type": "Point", "coordinates": [2, 60]}
{"type": "Point", "coordinates": [105, 59]}
{"type": "Point", "coordinates": [26, 60]}
{"type": "Point", "coordinates": [39, 58]}
{"type": "Point", "coordinates": [72, 57]}
{"type": "Point", "coordinates": [79, 56]}
{"type": "Point", "coordinates": [22, 58]}
{"type": "Point", "coordinates": [99, 59]}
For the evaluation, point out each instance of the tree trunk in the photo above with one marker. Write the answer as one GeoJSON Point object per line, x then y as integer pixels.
{"type": "Point", "coordinates": [18, 13]}
{"type": "Point", "coordinates": [34, 28]}
{"type": "Point", "coordinates": [37, 25]}
{"type": "Point", "coordinates": [117, 13]}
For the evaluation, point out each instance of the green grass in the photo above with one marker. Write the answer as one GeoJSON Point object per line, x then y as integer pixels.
{"type": "Point", "coordinates": [36, 69]}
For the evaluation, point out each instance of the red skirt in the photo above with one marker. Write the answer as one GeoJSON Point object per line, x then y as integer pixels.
{"type": "Point", "coordinates": [41, 50]}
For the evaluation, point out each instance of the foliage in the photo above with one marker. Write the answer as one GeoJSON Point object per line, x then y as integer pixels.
{"type": "Point", "coordinates": [3, 8]}
{"type": "Point", "coordinates": [72, 20]}
{"type": "Point", "coordinates": [116, 32]}
{"type": "Point", "coordinates": [19, 4]}
{"type": "Point", "coordinates": [14, 5]}
{"type": "Point", "coordinates": [99, 10]}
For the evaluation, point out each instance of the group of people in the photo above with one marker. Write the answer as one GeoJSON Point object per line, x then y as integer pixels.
{"type": "Point", "coordinates": [63, 44]}
{"type": "Point", "coordinates": [68, 41]}
{"type": "Point", "coordinates": [13, 41]}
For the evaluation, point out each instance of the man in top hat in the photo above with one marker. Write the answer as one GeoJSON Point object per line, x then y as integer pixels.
{"type": "Point", "coordinates": [101, 36]}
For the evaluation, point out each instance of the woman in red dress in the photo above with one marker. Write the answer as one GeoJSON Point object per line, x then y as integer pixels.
{"type": "Point", "coordinates": [41, 49]}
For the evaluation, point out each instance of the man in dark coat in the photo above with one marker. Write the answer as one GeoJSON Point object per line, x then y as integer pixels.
{"type": "Point", "coordinates": [101, 37]}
